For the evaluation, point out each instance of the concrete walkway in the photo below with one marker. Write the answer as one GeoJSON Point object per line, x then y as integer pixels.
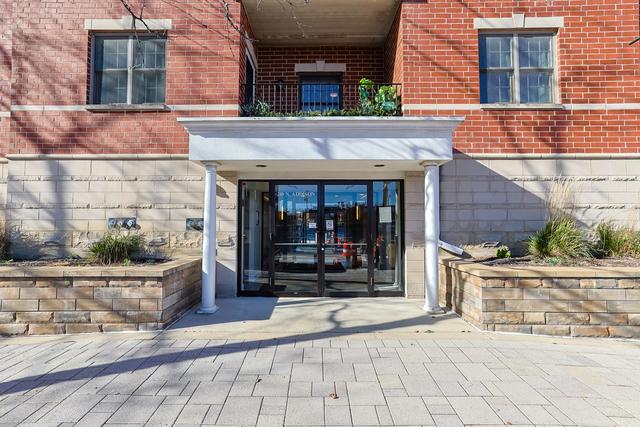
{"type": "Point", "coordinates": [306, 317]}
{"type": "Point", "coordinates": [339, 370]}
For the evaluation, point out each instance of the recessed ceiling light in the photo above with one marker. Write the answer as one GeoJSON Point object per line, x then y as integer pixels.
{"type": "Point", "coordinates": [261, 166]}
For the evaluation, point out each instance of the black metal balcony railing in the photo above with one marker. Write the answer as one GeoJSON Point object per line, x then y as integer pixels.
{"type": "Point", "coordinates": [282, 99]}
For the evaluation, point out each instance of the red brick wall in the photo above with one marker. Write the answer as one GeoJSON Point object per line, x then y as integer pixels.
{"type": "Point", "coordinates": [278, 63]}
{"type": "Point", "coordinates": [596, 65]}
{"type": "Point", "coordinates": [432, 49]}
{"type": "Point", "coordinates": [50, 67]}
{"type": "Point", "coordinates": [5, 69]}
{"type": "Point", "coordinates": [393, 51]}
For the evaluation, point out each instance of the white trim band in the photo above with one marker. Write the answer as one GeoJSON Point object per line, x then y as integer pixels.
{"type": "Point", "coordinates": [469, 107]}
{"type": "Point", "coordinates": [548, 156]}
{"type": "Point", "coordinates": [518, 20]}
{"type": "Point", "coordinates": [97, 157]}
{"type": "Point", "coordinates": [177, 107]}
{"type": "Point", "coordinates": [127, 23]}
{"type": "Point", "coordinates": [406, 107]}
{"type": "Point", "coordinates": [443, 107]}
{"type": "Point", "coordinates": [204, 107]}
{"type": "Point", "coordinates": [5, 114]}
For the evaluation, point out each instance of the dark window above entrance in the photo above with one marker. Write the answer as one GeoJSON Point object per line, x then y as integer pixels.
{"type": "Point", "coordinates": [320, 92]}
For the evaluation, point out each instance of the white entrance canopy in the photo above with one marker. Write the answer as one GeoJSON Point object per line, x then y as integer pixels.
{"type": "Point", "coordinates": [316, 144]}
{"type": "Point", "coordinates": [403, 141]}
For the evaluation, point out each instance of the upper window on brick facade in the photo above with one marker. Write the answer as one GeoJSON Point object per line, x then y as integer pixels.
{"type": "Point", "coordinates": [517, 68]}
{"type": "Point", "coordinates": [320, 92]}
{"type": "Point", "coordinates": [129, 69]}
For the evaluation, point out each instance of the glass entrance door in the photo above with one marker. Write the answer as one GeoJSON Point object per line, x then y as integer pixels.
{"type": "Point", "coordinates": [345, 246]}
{"type": "Point", "coordinates": [320, 238]}
{"type": "Point", "coordinates": [295, 239]}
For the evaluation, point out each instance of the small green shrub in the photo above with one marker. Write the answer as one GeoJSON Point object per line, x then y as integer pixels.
{"type": "Point", "coordinates": [382, 102]}
{"type": "Point", "coordinates": [612, 241]}
{"type": "Point", "coordinates": [116, 247]}
{"type": "Point", "coordinates": [4, 244]}
{"type": "Point", "coordinates": [258, 109]}
{"type": "Point", "coordinates": [559, 238]}
{"type": "Point", "coordinates": [503, 252]}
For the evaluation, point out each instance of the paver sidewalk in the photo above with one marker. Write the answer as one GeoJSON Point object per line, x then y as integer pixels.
{"type": "Point", "coordinates": [371, 379]}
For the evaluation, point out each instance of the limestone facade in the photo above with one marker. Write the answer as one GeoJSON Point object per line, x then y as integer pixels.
{"type": "Point", "coordinates": [504, 199]}
{"type": "Point", "coordinates": [59, 205]}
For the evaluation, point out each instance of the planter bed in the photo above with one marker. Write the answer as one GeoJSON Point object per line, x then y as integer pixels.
{"type": "Point", "coordinates": [592, 301]}
{"type": "Point", "coordinates": [38, 300]}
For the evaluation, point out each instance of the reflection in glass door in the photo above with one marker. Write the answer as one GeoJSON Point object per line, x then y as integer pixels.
{"type": "Point", "coordinates": [387, 236]}
{"type": "Point", "coordinates": [321, 238]}
{"type": "Point", "coordinates": [295, 239]}
{"type": "Point", "coordinates": [255, 236]}
{"type": "Point", "coordinates": [345, 246]}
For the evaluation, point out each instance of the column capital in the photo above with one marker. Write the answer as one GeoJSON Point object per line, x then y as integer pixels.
{"type": "Point", "coordinates": [211, 166]}
{"type": "Point", "coordinates": [428, 163]}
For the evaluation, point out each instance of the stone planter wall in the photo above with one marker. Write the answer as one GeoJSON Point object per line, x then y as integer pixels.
{"type": "Point", "coordinates": [566, 301]}
{"type": "Point", "coordinates": [57, 300]}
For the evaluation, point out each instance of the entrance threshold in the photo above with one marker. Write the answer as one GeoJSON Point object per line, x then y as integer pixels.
{"type": "Point", "coordinates": [312, 318]}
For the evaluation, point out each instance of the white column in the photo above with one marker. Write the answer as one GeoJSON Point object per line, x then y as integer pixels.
{"type": "Point", "coordinates": [209, 243]}
{"type": "Point", "coordinates": [431, 236]}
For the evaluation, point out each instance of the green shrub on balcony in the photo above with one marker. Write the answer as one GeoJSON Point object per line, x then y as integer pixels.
{"type": "Point", "coordinates": [381, 101]}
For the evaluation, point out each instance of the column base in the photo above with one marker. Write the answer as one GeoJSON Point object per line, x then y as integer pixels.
{"type": "Point", "coordinates": [208, 310]}
{"type": "Point", "coordinates": [433, 310]}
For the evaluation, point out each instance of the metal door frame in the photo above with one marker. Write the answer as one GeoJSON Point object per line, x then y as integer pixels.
{"type": "Point", "coordinates": [320, 230]}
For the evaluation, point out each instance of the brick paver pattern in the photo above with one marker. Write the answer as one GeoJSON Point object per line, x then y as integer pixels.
{"type": "Point", "coordinates": [332, 381]}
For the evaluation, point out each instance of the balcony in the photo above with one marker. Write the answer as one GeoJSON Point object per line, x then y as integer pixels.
{"type": "Point", "coordinates": [321, 99]}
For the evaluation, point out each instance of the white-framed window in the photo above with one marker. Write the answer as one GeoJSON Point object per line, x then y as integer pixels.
{"type": "Point", "coordinates": [128, 69]}
{"type": "Point", "coordinates": [518, 68]}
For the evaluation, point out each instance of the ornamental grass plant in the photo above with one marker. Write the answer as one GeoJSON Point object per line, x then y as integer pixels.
{"type": "Point", "coordinates": [116, 247]}
{"type": "Point", "coordinates": [616, 241]}
{"type": "Point", "coordinates": [561, 238]}
{"type": "Point", "coordinates": [4, 243]}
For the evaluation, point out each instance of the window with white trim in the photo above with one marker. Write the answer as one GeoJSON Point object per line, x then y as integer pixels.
{"type": "Point", "coordinates": [129, 69]}
{"type": "Point", "coordinates": [517, 68]}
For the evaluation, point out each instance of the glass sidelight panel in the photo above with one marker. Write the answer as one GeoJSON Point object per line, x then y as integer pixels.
{"type": "Point", "coordinates": [255, 236]}
{"type": "Point", "coordinates": [345, 245]}
{"type": "Point", "coordinates": [295, 242]}
{"type": "Point", "coordinates": [387, 234]}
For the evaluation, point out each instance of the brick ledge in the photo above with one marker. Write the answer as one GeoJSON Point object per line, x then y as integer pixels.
{"type": "Point", "coordinates": [160, 270]}
{"type": "Point", "coordinates": [494, 271]}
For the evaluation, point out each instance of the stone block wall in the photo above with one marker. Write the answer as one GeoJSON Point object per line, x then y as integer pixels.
{"type": "Point", "coordinates": [562, 301]}
{"type": "Point", "coordinates": [59, 205]}
{"type": "Point", "coordinates": [504, 197]}
{"type": "Point", "coordinates": [414, 234]}
{"type": "Point", "coordinates": [3, 189]}
{"type": "Point", "coordinates": [58, 300]}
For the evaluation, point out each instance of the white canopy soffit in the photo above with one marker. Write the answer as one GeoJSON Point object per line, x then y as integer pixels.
{"type": "Point", "coordinates": [321, 143]}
